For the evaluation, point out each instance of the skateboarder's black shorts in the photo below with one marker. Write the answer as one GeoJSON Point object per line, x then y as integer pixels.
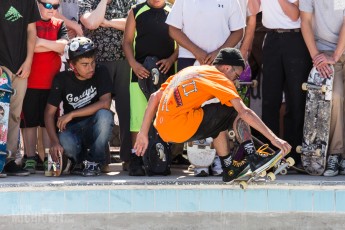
{"type": "Point", "coordinates": [217, 118]}
{"type": "Point", "coordinates": [34, 104]}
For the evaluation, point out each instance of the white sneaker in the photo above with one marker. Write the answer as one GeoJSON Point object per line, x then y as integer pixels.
{"type": "Point", "coordinates": [216, 167]}
{"type": "Point", "coordinates": [332, 166]}
{"type": "Point", "coordinates": [201, 172]}
{"type": "Point", "coordinates": [342, 167]}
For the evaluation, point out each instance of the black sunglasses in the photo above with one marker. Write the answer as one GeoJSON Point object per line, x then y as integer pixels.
{"type": "Point", "coordinates": [49, 6]}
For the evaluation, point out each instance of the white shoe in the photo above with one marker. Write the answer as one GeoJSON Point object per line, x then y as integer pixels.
{"type": "Point", "coordinates": [216, 166]}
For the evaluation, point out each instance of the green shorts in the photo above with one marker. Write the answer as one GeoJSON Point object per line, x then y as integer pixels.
{"type": "Point", "coordinates": [138, 105]}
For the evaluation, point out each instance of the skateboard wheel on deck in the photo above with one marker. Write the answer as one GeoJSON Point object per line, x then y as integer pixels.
{"type": "Point", "coordinates": [318, 152]}
{"type": "Point", "coordinates": [263, 174]}
{"type": "Point", "coordinates": [324, 88]}
{"type": "Point", "coordinates": [243, 185]}
{"type": "Point", "coordinates": [304, 86]}
{"type": "Point", "coordinates": [212, 145]}
{"type": "Point", "coordinates": [232, 134]}
{"type": "Point", "coordinates": [290, 161]}
{"type": "Point", "coordinates": [299, 149]}
{"type": "Point", "coordinates": [237, 83]}
{"type": "Point", "coordinates": [283, 172]}
{"type": "Point", "coordinates": [190, 143]}
{"type": "Point", "coordinates": [254, 83]}
{"type": "Point", "coordinates": [271, 176]}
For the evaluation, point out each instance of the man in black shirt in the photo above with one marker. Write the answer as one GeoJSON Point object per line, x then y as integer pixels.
{"type": "Point", "coordinates": [18, 38]}
{"type": "Point", "coordinates": [87, 121]}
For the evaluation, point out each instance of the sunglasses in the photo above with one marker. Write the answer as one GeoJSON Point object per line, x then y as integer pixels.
{"type": "Point", "coordinates": [236, 74]}
{"type": "Point", "coordinates": [49, 6]}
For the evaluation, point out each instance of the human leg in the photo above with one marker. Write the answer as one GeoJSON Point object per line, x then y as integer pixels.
{"type": "Point", "coordinates": [273, 80]}
{"type": "Point", "coordinates": [336, 134]}
{"type": "Point", "coordinates": [297, 65]}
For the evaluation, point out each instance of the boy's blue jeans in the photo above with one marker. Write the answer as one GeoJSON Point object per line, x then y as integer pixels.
{"type": "Point", "coordinates": [92, 133]}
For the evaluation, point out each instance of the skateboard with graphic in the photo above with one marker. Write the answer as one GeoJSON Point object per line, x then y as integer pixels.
{"type": "Point", "coordinates": [243, 133]}
{"type": "Point", "coordinates": [157, 158]}
{"type": "Point", "coordinates": [244, 84]}
{"type": "Point", "coordinates": [317, 120]}
{"type": "Point", "coordinates": [55, 169]}
{"type": "Point", "coordinates": [152, 83]}
{"type": "Point", "coordinates": [6, 92]}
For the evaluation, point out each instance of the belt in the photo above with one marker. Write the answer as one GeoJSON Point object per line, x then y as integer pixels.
{"type": "Point", "coordinates": [286, 30]}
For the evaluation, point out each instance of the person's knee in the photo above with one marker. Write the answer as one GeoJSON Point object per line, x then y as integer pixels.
{"type": "Point", "coordinates": [104, 118]}
{"type": "Point", "coordinates": [71, 147]}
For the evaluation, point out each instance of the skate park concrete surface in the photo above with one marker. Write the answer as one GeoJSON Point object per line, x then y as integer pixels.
{"type": "Point", "coordinates": [178, 201]}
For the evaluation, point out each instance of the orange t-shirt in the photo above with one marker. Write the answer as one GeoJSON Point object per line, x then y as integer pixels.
{"type": "Point", "coordinates": [179, 112]}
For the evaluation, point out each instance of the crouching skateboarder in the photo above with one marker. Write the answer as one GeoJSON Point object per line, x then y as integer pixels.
{"type": "Point", "coordinates": [87, 121]}
{"type": "Point", "coordinates": [180, 117]}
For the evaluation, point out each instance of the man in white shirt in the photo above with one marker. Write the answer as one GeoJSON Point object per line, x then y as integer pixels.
{"type": "Point", "coordinates": [286, 64]}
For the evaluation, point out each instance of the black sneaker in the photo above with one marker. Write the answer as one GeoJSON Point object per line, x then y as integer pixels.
{"type": "Point", "coordinates": [235, 169]}
{"type": "Point", "coordinates": [136, 166]}
{"type": "Point", "coordinates": [91, 169]}
{"type": "Point", "coordinates": [12, 169]}
{"type": "Point", "coordinates": [332, 168]}
{"type": "Point", "coordinates": [258, 158]}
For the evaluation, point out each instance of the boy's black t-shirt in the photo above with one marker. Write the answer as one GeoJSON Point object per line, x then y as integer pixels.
{"type": "Point", "coordinates": [76, 94]}
{"type": "Point", "coordinates": [15, 15]}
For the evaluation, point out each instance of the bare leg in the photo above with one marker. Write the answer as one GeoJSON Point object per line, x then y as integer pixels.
{"type": "Point", "coordinates": [222, 143]}
{"type": "Point", "coordinates": [30, 141]}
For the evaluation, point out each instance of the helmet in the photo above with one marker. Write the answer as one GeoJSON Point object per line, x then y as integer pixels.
{"type": "Point", "coordinates": [77, 47]}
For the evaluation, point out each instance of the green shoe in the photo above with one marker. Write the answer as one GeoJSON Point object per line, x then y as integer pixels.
{"type": "Point", "coordinates": [30, 165]}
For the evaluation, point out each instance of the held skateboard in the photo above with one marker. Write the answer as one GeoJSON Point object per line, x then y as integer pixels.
{"type": "Point", "coordinates": [317, 120]}
{"type": "Point", "coordinates": [6, 92]}
{"type": "Point", "coordinates": [157, 158]}
{"type": "Point", "coordinates": [243, 133]}
{"type": "Point", "coordinates": [244, 85]}
{"type": "Point", "coordinates": [54, 168]}
{"type": "Point", "coordinates": [152, 83]}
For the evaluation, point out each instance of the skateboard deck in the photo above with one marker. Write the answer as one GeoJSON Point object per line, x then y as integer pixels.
{"type": "Point", "coordinates": [5, 95]}
{"type": "Point", "coordinates": [54, 168]}
{"type": "Point", "coordinates": [157, 158]}
{"type": "Point", "coordinates": [152, 83]}
{"type": "Point", "coordinates": [201, 153]}
{"type": "Point", "coordinates": [317, 120]}
{"type": "Point", "coordinates": [243, 133]}
{"type": "Point", "coordinates": [244, 85]}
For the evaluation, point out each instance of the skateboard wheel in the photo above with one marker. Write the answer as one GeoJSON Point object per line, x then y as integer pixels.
{"type": "Point", "coordinates": [304, 86]}
{"type": "Point", "coordinates": [254, 83]}
{"type": "Point", "coordinates": [290, 161]}
{"type": "Point", "coordinates": [232, 134]}
{"type": "Point", "coordinates": [263, 174]}
{"type": "Point", "coordinates": [190, 144]}
{"type": "Point", "coordinates": [324, 88]}
{"type": "Point", "coordinates": [271, 176]}
{"type": "Point", "coordinates": [243, 185]}
{"type": "Point", "coordinates": [318, 152]}
{"type": "Point", "coordinates": [237, 83]}
{"type": "Point", "coordinates": [212, 145]}
{"type": "Point", "coordinates": [299, 149]}
{"type": "Point", "coordinates": [283, 172]}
